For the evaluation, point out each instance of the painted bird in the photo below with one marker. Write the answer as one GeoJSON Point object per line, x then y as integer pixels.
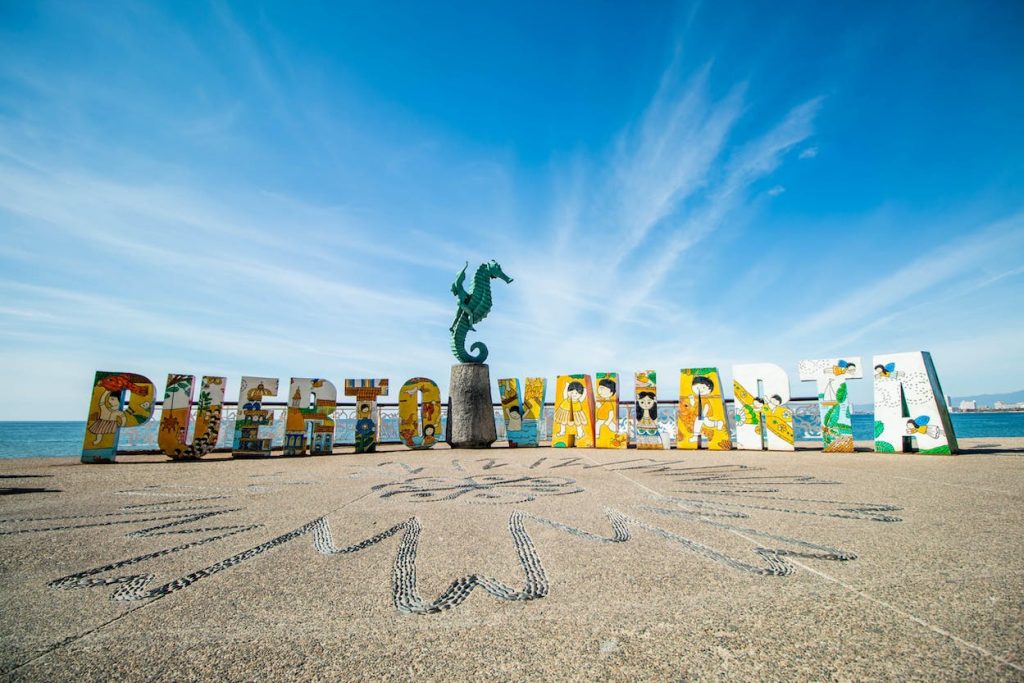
{"type": "Point", "coordinates": [121, 382]}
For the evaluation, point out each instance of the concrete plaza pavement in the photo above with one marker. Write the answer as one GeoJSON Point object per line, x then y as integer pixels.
{"type": "Point", "coordinates": [516, 564]}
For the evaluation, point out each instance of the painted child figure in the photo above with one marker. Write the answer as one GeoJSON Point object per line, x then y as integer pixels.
{"type": "Point", "coordinates": [563, 413]}
{"type": "Point", "coordinates": [749, 434]}
{"type": "Point", "coordinates": [607, 423]}
{"type": "Point", "coordinates": [778, 420]}
{"type": "Point", "coordinates": [108, 418]}
{"type": "Point", "coordinates": [515, 420]}
{"type": "Point", "coordinates": [647, 434]}
{"type": "Point", "coordinates": [110, 412]}
{"type": "Point", "coordinates": [577, 394]}
{"type": "Point", "coordinates": [574, 410]}
{"type": "Point", "coordinates": [919, 425]}
{"type": "Point", "coordinates": [704, 425]}
{"type": "Point", "coordinates": [428, 439]}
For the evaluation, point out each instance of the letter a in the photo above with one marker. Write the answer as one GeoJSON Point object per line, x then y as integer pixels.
{"type": "Point", "coordinates": [909, 405]}
{"type": "Point", "coordinates": [702, 418]}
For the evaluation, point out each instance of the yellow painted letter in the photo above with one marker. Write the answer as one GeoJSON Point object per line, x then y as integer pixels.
{"type": "Point", "coordinates": [176, 415]}
{"type": "Point", "coordinates": [419, 431]}
{"type": "Point", "coordinates": [702, 418]}
{"type": "Point", "coordinates": [574, 412]}
{"type": "Point", "coordinates": [108, 413]}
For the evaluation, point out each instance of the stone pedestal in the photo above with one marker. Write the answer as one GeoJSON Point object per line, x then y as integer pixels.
{"type": "Point", "coordinates": [470, 413]}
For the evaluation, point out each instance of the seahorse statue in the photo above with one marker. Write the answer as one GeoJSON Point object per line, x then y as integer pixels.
{"type": "Point", "coordinates": [474, 306]}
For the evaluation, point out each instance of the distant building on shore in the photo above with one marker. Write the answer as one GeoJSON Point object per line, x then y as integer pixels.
{"type": "Point", "coordinates": [967, 406]}
{"type": "Point", "coordinates": [999, 405]}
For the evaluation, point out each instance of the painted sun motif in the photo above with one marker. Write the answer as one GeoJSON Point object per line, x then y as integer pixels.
{"type": "Point", "coordinates": [494, 488]}
{"type": "Point", "coordinates": [699, 511]}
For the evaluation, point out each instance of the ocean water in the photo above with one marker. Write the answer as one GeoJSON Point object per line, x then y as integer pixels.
{"type": "Point", "coordinates": [34, 439]}
{"type": "Point", "coordinates": [967, 425]}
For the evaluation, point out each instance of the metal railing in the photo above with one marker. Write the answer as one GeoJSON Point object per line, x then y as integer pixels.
{"type": "Point", "coordinates": [143, 439]}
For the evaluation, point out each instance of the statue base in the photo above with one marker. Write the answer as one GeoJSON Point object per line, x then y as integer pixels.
{"type": "Point", "coordinates": [470, 411]}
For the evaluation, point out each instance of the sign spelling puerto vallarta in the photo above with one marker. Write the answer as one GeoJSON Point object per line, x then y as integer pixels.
{"type": "Point", "coordinates": [908, 408]}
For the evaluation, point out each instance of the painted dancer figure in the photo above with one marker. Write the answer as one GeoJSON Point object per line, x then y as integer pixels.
{"type": "Point", "coordinates": [703, 425]}
{"type": "Point", "coordinates": [108, 418]}
{"type": "Point", "coordinates": [647, 419]}
{"type": "Point", "coordinates": [428, 439]}
{"type": "Point", "coordinates": [563, 411]}
{"type": "Point", "coordinates": [776, 408]}
{"type": "Point", "coordinates": [570, 409]}
{"type": "Point", "coordinates": [578, 394]}
{"type": "Point", "coordinates": [606, 413]}
{"type": "Point", "coordinates": [515, 419]}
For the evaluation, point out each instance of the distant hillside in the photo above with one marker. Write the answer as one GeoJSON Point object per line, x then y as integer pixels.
{"type": "Point", "coordinates": [989, 399]}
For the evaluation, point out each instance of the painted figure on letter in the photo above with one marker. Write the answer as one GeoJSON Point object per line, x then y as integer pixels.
{"type": "Point", "coordinates": [607, 432]}
{"type": "Point", "coordinates": [574, 410]}
{"type": "Point", "coordinates": [648, 435]}
{"type": "Point", "coordinates": [418, 430]}
{"type": "Point", "coordinates": [702, 418]}
{"type": "Point", "coordinates": [108, 414]}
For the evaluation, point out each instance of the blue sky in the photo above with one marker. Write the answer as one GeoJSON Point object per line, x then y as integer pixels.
{"type": "Point", "coordinates": [288, 189]}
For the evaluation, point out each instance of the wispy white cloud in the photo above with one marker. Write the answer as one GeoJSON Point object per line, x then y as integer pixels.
{"type": "Point", "coordinates": [680, 138]}
{"type": "Point", "coordinates": [944, 264]}
{"type": "Point", "coordinates": [754, 161]}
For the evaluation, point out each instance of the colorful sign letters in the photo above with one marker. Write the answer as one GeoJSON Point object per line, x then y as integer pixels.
{"type": "Point", "coordinates": [574, 412]}
{"type": "Point", "coordinates": [910, 413]}
{"type": "Point", "coordinates": [177, 414]}
{"type": "Point", "coordinates": [418, 429]}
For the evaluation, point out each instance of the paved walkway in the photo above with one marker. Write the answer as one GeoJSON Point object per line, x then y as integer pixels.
{"type": "Point", "coordinates": [530, 564]}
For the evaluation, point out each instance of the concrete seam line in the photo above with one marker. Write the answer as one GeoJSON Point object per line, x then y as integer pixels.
{"type": "Point", "coordinates": [918, 620]}
{"type": "Point", "coordinates": [936, 629]}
